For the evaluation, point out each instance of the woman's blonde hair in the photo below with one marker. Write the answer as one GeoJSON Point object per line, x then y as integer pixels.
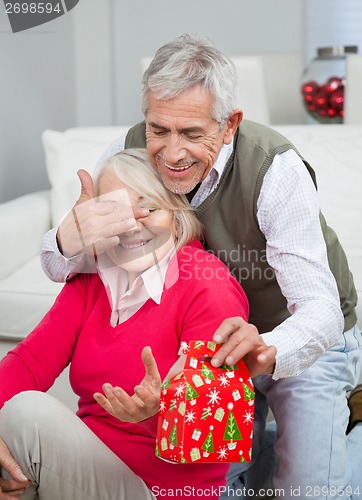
{"type": "Point", "coordinates": [134, 169]}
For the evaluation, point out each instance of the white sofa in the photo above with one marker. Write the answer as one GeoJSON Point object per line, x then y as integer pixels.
{"type": "Point", "coordinates": [335, 152]}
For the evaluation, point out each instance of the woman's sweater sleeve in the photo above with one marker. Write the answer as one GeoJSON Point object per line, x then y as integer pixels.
{"type": "Point", "coordinates": [214, 296]}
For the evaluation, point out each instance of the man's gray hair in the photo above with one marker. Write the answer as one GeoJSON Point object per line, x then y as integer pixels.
{"type": "Point", "coordinates": [187, 62]}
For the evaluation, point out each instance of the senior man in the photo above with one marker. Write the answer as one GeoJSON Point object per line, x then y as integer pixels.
{"type": "Point", "coordinates": [257, 199]}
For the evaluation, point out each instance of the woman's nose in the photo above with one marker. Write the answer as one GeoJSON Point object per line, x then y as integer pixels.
{"type": "Point", "coordinates": [137, 228]}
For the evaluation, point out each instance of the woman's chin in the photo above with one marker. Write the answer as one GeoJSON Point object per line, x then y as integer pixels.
{"type": "Point", "coordinates": [139, 260]}
{"type": "Point", "coordinates": [137, 268]}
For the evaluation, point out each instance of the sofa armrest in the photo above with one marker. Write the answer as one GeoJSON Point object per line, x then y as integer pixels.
{"type": "Point", "coordinates": [23, 222]}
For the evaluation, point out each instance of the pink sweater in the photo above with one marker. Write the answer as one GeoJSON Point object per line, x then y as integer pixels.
{"type": "Point", "coordinates": [77, 330]}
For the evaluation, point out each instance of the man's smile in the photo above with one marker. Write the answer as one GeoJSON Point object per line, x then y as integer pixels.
{"type": "Point", "coordinates": [179, 168]}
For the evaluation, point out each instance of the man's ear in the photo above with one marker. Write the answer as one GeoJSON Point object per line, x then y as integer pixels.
{"type": "Point", "coordinates": [232, 124]}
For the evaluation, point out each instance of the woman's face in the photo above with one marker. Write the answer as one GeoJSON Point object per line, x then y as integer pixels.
{"type": "Point", "coordinates": [153, 237]}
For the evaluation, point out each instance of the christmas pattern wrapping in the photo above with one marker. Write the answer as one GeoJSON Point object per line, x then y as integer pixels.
{"type": "Point", "coordinates": [206, 414]}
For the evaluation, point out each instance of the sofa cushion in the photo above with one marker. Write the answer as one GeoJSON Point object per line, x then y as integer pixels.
{"type": "Point", "coordinates": [65, 153]}
{"type": "Point", "coordinates": [23, 222]}
{"type": "Point", "coordinates": [25, 297]}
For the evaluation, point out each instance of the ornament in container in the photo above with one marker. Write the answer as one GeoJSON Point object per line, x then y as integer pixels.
{"type": "Point", "coordinates": [206, 414]}
{"type": "Point", "coordinates": [324, 84]}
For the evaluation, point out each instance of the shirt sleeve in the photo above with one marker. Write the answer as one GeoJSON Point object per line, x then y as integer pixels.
{"type": "Point", "coordinates": [39, 359]}
{"type": "Point", "coordinates": [288, 214]}
{"type": "Point", "coordinates": [55, 265]}
{"type": "Point", "coordinates": [115, 147]}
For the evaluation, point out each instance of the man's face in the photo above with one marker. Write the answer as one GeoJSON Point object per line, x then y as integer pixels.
{"type": "Point", "coordinates": [183, 140]}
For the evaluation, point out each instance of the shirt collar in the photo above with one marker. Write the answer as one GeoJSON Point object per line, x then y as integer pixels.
{"type": "Point", "coordinates": [212, 179]}
{"type": "Point", "coordinates": [154, 278]}
{"type": "Point", "coordinates": [125, 302]}
{"type": "Point", "coordinates": [221, 160]}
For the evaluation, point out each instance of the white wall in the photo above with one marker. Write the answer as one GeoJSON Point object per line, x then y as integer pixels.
{"type": "Point", "coordinates": [83, 68]}
{"type": "Point", "coordinates": [37, 91]}
{"type": "Point", "coordinates": [236, 27]}
{"type": "Point", "coordinates": [332, 22]}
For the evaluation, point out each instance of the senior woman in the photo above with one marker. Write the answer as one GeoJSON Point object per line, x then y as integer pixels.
{"type": "Point", "coordinates": [121, 330]}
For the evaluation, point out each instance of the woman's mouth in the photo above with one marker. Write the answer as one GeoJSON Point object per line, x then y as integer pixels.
{"type": "Point", "coordinates": [134, 245]}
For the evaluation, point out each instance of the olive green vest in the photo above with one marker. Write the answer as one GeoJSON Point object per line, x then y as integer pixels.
{"type": "Point", "coordinates": [232, 231]}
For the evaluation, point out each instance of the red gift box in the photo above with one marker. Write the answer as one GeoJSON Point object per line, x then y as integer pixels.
{"type": "Point", "coordinates": [206, 414]}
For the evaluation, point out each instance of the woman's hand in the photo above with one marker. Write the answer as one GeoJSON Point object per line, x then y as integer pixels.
{"type": "Point", "coordinates": [11, 488]}
{"type": "Point", "coordinates": [145, 401]}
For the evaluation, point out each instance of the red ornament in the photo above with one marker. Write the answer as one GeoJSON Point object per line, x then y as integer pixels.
{"type": "Point", "coordinates": [308, 98]}
{"type": "Point", "coordinates": [320, 101]}
{"type": "Point", "coordinates": [336, 99]}
{"type": "Point", "coordinates": [331, 112]}
{"type": "Point", "coordinates": [309, 88]}
{"type": "Point", "coordinates": [324, 102]}
{"type": "Point", "coordinates": [333, 83]}
{"type": "Point", "coordinates": [322, 112]}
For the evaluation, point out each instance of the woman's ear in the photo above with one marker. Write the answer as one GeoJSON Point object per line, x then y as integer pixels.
{"type": "Point", "coordinates": [232, 124]}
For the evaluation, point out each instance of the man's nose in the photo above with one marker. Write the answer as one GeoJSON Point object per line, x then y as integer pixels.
{"type": "Point", "coordinates": [174, 150]}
